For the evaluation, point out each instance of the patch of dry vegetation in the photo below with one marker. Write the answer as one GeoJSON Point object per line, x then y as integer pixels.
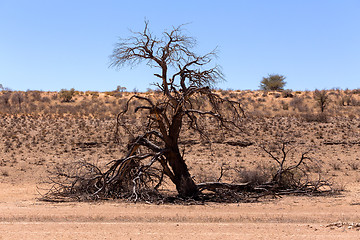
{"type": "Point", "coordinates": [39, 130]}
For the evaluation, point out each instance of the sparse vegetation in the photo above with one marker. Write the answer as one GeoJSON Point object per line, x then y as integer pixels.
{"type": "Point", "coordinates": [290, 174]}
{"type": "Point", "coordinates": [273, 124]}
{"type": "Point", "coordinates": [315, 117]}
{"type": "Point", "coordinates": [63, 132]}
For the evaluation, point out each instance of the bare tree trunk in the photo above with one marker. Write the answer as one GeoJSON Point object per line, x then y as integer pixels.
{"type": "Point", "coordinates": [185, 185]}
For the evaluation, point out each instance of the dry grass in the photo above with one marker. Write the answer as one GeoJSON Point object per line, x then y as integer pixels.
{"type": "Point", "coordinates": [39, 131]}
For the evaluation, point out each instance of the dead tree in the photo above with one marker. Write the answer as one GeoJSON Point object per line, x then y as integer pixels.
{"type": "Point", "coordinates": [321, 98]}
{"type": "Point", "coordinates": [290, 175]}
{"type": "Point", "coordinates": [186, 99]}
{"type": "Point", "coordinates": [189, 80]}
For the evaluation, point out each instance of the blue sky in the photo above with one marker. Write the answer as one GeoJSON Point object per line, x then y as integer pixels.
{"type": "Point", "coordinates": [55, 44]}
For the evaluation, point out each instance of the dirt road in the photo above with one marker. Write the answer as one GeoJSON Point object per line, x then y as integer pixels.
{"type": "Point", "coordinates": [24, 217]}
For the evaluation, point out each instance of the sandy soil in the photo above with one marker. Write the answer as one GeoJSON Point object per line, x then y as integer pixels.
{"type": "Point", "coordinates": [22, 216]}
{"type": "Point", "coordinates": [82, 131]}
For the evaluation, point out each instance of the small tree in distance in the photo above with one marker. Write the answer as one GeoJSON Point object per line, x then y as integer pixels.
{"type": "Point", "coordinates": [273, 82]}
{"type": "Point", "coordinates": [322, 99]}
{"type": "Point", "coordinates": [120, 89]}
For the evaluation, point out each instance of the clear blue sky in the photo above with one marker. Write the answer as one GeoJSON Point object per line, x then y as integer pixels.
{"type": "Point", "coordinates": [55, 44]}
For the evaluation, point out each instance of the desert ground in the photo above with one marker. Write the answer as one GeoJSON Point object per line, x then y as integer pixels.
{"type": "Point", "coordinates": [39, 130]}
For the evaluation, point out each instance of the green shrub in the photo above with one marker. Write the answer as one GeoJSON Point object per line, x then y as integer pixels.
{"type": "Point", "coordinates": [273, 82]}
{"type": "Point", "coordinates": [66, 95]}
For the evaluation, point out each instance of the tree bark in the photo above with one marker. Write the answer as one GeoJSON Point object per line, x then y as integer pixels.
{"type": "Point", "coordinates": [185, 185]}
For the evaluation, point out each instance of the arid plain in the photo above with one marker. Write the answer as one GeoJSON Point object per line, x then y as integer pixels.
{"type": "Point", "coordinates": [38, 131]}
